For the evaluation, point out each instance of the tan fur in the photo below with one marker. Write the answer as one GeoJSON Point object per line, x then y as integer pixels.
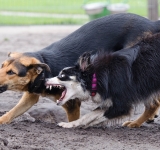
{"type": "Point", "coordinates": [154, 114]}
{"type": "Point", "coordinates": [72, 109]}
{"type": "Point", "coordinates": [145, 34]}
{"type": "Point", "coordinates": [14, 54]}
{"type": "Point", "coordinates": [148, 113]}
{"type": "Point", "coordinates": [26, 102]}
{"type": "Point", "coordinates": [16, 83]}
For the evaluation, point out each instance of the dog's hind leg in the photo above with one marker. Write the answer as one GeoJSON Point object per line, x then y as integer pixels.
{"type": "Point", "coordinates": [85, 120]}
{"type": "Point", "coordinates": [155, 115]}
{"type": "Point", "coordinates": [72, 108]}
{"type": "Point", "coordinates": [148, 113]}
{"type": "Point", "coordinates": [26, 102]}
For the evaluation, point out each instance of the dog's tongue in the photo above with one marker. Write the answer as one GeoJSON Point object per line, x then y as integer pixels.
{"type": "Point", "coordinates": [63, 95]}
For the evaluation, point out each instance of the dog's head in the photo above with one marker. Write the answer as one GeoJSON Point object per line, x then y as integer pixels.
{"type": "Point", "coordinates": [72, 80]}
{"type": "Point", "coordinates": [18, 71]}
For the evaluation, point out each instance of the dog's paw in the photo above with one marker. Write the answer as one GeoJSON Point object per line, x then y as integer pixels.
{"type": "Point", "coordinates": [131, 124]}
{"type": "Point", "coordinates": [67, 125]}
{"type": "Point", "coordinates": [4, 120]}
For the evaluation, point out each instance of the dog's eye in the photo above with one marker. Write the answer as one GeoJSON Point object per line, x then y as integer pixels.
{"type": "Point", "coordinates": [62, 75]}
{"type": "Point", "coordinates": [10, 72]}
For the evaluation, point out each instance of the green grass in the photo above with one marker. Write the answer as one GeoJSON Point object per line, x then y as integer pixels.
{"type": "Point", "coordinates": [18, 20]}
{"type": "Point", "coordinates": [58, 7]}
{"type": "Point", "coordinates": [46, 6]}
{"type": "Point", "coordinates": [136, 6]}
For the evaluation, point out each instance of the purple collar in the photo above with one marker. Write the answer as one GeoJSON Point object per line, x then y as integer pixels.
{"type": "Point", "coordinates": [94, 85]}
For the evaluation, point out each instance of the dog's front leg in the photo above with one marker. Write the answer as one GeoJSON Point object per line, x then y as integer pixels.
{"type": "Point", "coordinates": [72, 108]}
{"type": "Point", "coordinates": [86, 120]}
{"type": "Point", "coordinates": [26, 102]}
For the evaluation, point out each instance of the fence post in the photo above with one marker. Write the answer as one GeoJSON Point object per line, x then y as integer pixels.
{"type": "Point", "coordinates": [153, 10]}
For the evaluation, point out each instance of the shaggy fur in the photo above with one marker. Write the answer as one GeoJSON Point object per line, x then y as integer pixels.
{"type": "Point", "coordinates": [124, 78]}
{"type": "Point", "coordinates": [26, 72]}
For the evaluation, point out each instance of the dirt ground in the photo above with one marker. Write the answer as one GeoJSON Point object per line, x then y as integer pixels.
{"type": "Point", "coordinates": [37, 130]}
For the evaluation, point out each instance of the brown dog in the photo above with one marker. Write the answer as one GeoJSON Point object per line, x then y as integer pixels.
{"type": "Point", "coordinates": [16, 74]}
{"type": "Point", "coordinates": [26, 72]}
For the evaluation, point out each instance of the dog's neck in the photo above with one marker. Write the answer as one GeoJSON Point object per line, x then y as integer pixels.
{"type": "Point", "coordinates": [94, 85]}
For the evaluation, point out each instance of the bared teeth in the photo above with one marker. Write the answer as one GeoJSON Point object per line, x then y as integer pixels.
{"type": "Point", "coordinates": [56, 86]}
{"type": "Point", "coordinates": [58, 102]}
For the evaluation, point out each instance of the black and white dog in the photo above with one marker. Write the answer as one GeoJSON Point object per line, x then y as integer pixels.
{"type": "Point", "coordinates": [110, 33]}
{"type": "Point", "coordinates": [115, 81]}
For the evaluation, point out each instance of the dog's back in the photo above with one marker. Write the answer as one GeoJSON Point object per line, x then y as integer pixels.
{"type": "Point", "coordinates": [110, 33]}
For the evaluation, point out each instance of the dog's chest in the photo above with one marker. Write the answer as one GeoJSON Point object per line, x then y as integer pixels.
{"type": "Point", "coordinates": [103, 103]}
{"type": "Point", "coordinates": [96, 98]}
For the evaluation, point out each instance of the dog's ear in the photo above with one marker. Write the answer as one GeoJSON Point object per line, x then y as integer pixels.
{"type": "Point", "coordinates": [40, 67]}
{"type": "Point", "coordinates": [14, 54]}
{"type": "Point", "coordinates": [84, 61]}
{"type": "Point", "coordinates": [33, 62]}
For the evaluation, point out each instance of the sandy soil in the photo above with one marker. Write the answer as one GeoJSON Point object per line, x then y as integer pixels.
{"type": "Point", "coordinates": [37, 130]}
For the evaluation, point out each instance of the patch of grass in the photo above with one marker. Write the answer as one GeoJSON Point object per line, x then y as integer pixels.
{"type": "Point", "coordinates": [18, 20]}
{"type": "Point", "coordinates": [57, 7]}
{"type": "Point", "coordinates": [136, 6]}
{"type": "Point", "coordinates": [45, 6]}
{"type": "Point", "coordinates": [65, 6]}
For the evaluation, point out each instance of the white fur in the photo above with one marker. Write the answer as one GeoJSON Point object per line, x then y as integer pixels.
{"type": "Point", "coordinates": [74, 90]}
{"type": "Point", "coordinates": [107, 103]}
{"type": "Point", "coordinates": [97, 98]}
{"type": "Point", "coordinates": [103, 103]}
{"type": "Point", "coordinates": [93, 118]}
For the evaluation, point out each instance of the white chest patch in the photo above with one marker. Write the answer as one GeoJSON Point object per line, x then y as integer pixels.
{"type": "Point", "coordinates": [97, 98]}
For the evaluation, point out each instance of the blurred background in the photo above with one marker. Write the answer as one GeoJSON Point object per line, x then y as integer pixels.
{"type": "Point", "coordinates": [45, 12]}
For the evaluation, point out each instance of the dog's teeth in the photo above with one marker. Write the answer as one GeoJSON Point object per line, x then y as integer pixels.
{"type": "Point", "coordinates": [61, 87]}
{"type": "Point", "coordinates": [57, 102]}
{"type": "Point", "coordinates": [50, 87]}
{"type": "Point", "coordinates": [47, 87]}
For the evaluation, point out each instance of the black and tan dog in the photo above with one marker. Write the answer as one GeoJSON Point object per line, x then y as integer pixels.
{"type": "Point", "coordinates": [116, 82]}
{"type": "Point", "coordinates": [26, 72]}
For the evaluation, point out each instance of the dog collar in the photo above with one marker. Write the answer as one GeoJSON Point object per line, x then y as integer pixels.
{"type": "Point", "coordinates": [94, 85]}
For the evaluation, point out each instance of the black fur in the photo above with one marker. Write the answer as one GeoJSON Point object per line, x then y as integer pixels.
{"type": "Point", "coordinates": [127, 77]}
{"type": "Point", "coordinates": [110, 33]}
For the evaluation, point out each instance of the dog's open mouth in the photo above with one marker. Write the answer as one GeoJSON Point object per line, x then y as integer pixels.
{"type": "Point", "coordinates": [61, 87]}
